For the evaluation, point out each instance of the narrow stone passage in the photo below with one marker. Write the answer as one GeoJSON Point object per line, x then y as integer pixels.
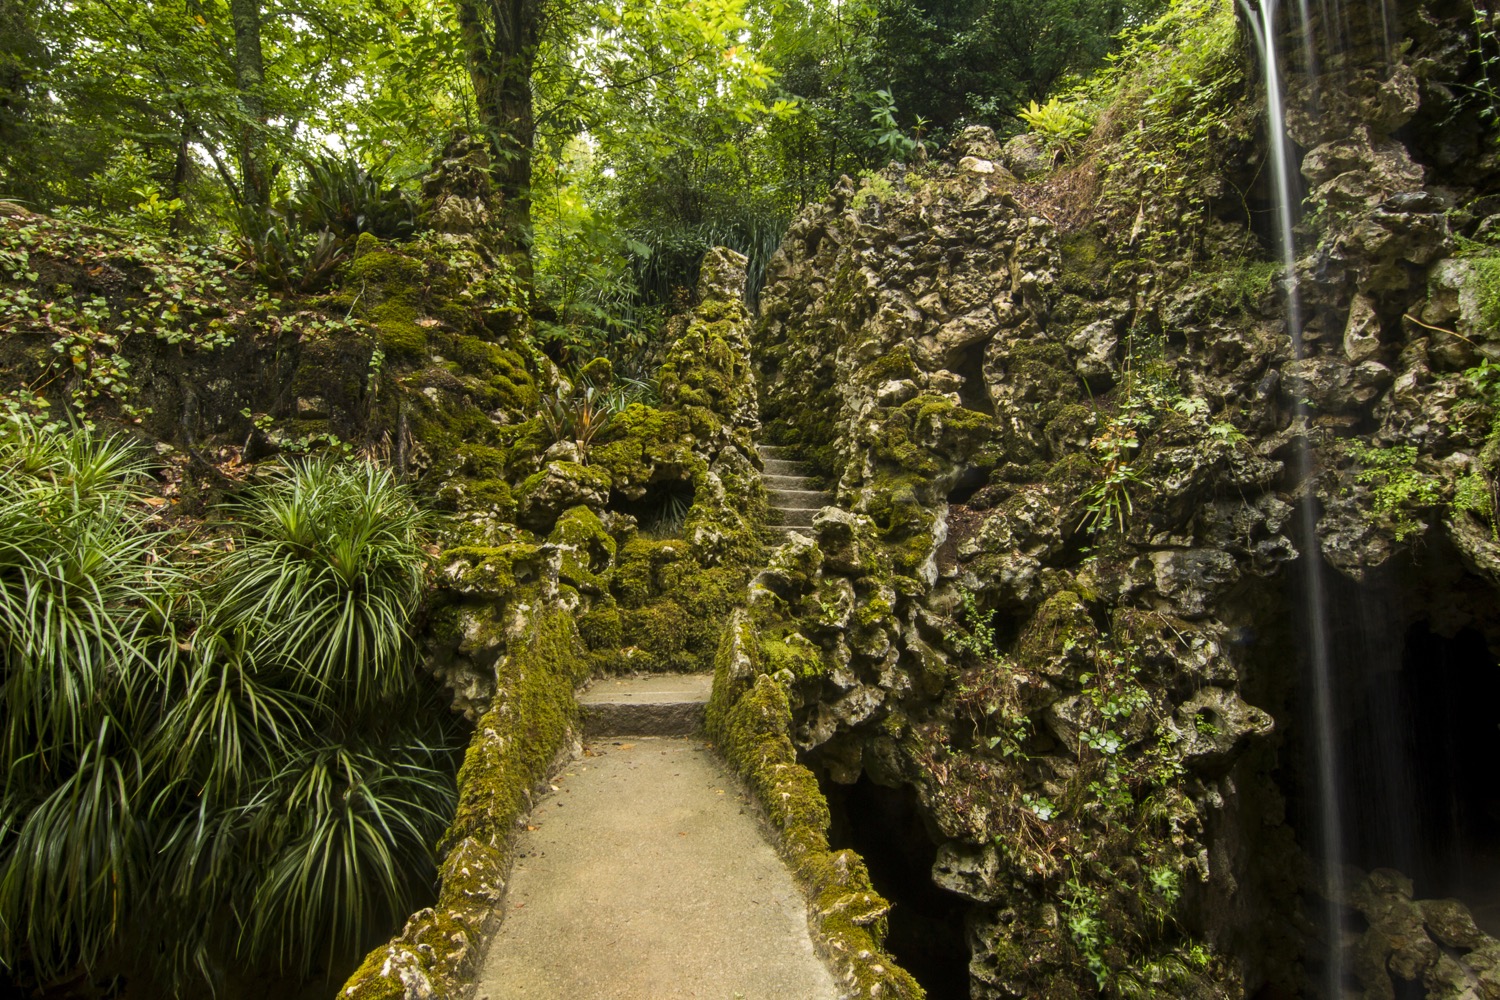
{"type": "Point", "coordinates": [791, 490]}
{"type": "Point", "coordinates": [645, 875]}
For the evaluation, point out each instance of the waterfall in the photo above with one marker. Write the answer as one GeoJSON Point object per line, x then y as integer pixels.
{"type": "Point", "coordinates": [1261, 17]}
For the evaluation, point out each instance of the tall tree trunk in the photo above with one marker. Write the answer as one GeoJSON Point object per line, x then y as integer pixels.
{"type": "Point", "coordinates": [500, 42]}
{"type": "Point", "coordinates": [249, 77]}
{"type": "Point", "coordinates": [180, 173]}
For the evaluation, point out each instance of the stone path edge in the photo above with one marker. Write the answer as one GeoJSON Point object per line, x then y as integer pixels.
{"type": "Point", "coordinates": [749, 722]}
{"type": "Point", "coordinates": [525, 737]}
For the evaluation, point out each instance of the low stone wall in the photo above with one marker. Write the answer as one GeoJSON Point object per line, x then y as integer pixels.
{"type": "Point", "coordinates": [749, 720]}
{"type": "Point", "coordinates": [530, 723]}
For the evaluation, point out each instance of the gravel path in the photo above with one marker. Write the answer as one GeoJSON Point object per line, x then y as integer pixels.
{"type": "Point", "coordinates": [646, 876]}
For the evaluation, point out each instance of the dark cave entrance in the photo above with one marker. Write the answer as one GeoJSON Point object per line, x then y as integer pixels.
{"type": "Point", "coordinates": [1416, 689]}
{"type": "Point", "coordinates": [974, 394]}
{"type": "Point", "coordinates": [661, 511]}
{"type": "Point", "coordinates": [885, 826]}
{"type": "Point", "coordinates": [1451, 687]}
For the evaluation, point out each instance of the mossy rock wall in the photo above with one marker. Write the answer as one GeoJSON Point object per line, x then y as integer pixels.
{"type": "Point", "coordinates": [749, 719]}
{"type": "Point", "coordinates": [1065, 471]}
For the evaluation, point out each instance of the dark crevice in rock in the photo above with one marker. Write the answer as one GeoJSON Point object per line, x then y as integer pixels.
{"type": "Point", "coordinates": [886, 827]}
{"type": "Point", "coordinates": [969, 482]}
{"type": "Point", "coordinates": [660, 509]}
{"type": "Point", "coordinates": [974, 393]}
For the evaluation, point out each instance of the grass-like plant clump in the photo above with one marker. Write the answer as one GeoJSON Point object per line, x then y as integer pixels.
{"type": "Point", "coordinates": [211, 765]}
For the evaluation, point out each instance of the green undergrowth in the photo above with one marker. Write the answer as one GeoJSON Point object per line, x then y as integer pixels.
{"type": "Point", "coordinates": [749, 720]}
{"type": "Point", "coordinates": [1168, 107]}
{"type": "Point", "coordinates": [515, 744]}
{"type": "Point", "coordinates": [1483, 258]}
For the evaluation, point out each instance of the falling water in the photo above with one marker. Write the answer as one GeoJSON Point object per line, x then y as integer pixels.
{"type": "Point", "coordinates": [1262, 19]}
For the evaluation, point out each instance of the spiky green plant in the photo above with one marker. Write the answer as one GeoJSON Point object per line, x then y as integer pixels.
{"type": "Point", "coordinates": [326, 578]}
{"type": "Point", "coordinates": [280, 810]}
{"type": "Point", "coordinates": [84, 597]}
{"type": "Point", "coordinates": [349, 830]}
{"type": "Point", "coordinates": [199, 784]}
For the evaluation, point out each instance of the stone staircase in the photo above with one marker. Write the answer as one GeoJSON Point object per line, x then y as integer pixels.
{"type": "Point", "coordinates": [791, 491]}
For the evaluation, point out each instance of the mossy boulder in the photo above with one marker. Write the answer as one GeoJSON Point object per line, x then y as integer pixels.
{"type": "Point", "coordinates": [545, 495]}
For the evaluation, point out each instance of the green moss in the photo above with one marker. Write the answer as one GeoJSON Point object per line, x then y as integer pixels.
{"type": "Point", "coordinates": [514, 747]}
{"type": "Point", "coordinates": [500, 377]}
{"type": "Point", "coordinates": [1061, 623]}
{"type": "Point", "coordinates": [927, 428]}
{"type": "Point", "coordinates": [794, 654]}
{"type": "Point", "coordinates": [749, 719]}
{"type": "Point", "coordinates": [399, 334]}
{"type": "Point", "coordinates": [896, 363]}
{"type": "Point", "coordinates": [588, 551]}
{"type": "Point", "coordinates": [584, 474]}
{"type": "Point", "coordinates": [598, 373]}
{"type": "Point", "coordinates": [672, 608]}
{"type": "Point", "coordinates": [481, 461]}
{"type": "Point", "coordinates": [601, 627]}
{"type": "Point", "coordinates": [371, 981]}
{"type": "Point", "coordinates": [394, 272]}
{"type": "Point", "coordinates": [635, 573]}
{"type": "Point", "coordinates": [491, 570]}
{"type": "Point", "coordinates": [641, 440]}
{"type": "Point", "coordinates": [902, 519]}
{"type": "Point", "coordinates": [1085, 264]}
{"type": "Point", "coordinates": [1074, 470]}
{"type": "Point", "coordinates": [657, 633]}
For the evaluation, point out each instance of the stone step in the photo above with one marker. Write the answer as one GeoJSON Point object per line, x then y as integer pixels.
{"type": "Point", "coordinates": [651, 705]}
{"type": "Point", "coordinates": [781, 451]}
{"type": "Point", "coordinates": [799, 498]}
{"type": "Point", "coordinates": [791, 483]}
{"type": "Point", "coordinates": [780, 532]}
{"type": "Point", "coordinates": [801, 517]}
{"type": "Point", "coordinates": [785, 467]}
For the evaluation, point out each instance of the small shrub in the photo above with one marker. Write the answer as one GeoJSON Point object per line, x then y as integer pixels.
{"type": "Point", "coordinates": [1400, 493]}
{"type": "Point", "coordinates": [327, 575]}
{"type": "Point", "coordinates": [1062, 125]}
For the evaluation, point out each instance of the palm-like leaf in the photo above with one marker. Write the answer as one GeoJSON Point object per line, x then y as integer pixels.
{"type": "Point", "coordinates": [83, 592]}
{"type": "Point", "coordinates": [73, 860]}
{"type": "Point", "coordinates": [201, 804]}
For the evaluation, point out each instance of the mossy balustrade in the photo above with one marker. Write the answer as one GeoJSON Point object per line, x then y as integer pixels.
{"type": "Point", "coordinates": [530, 722]}
{"type": "Point", "coordinates": [749, 720]}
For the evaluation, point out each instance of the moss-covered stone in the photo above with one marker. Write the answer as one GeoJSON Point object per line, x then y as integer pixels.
{"type": "Point", "coordinates": [599, 373]}
{"type": "Point", "coordinates": [895, 364]}
{"type": "Point", "coordinates": [587, 550]}
{"type": "Point", "coordinates": [749, 719]}
{"type": "Point", "coordinates": [492, 571]}
{"type": "Point", "coordinates": [795, 654]}
{"type": "Point", "coordinates": [514, 747]}
{"type": "Point", "coordinates": [644, 444]}
{"type": "Point", "coordinates": [1085, 264]}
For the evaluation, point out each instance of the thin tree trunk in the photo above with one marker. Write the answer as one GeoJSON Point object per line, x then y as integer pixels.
{"type": "Point", "coordinates": [249, 78]}
{"type": "Point", "coordinates": [500, 42]}
{"type": "Point", "coordinates": [180, 174]}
